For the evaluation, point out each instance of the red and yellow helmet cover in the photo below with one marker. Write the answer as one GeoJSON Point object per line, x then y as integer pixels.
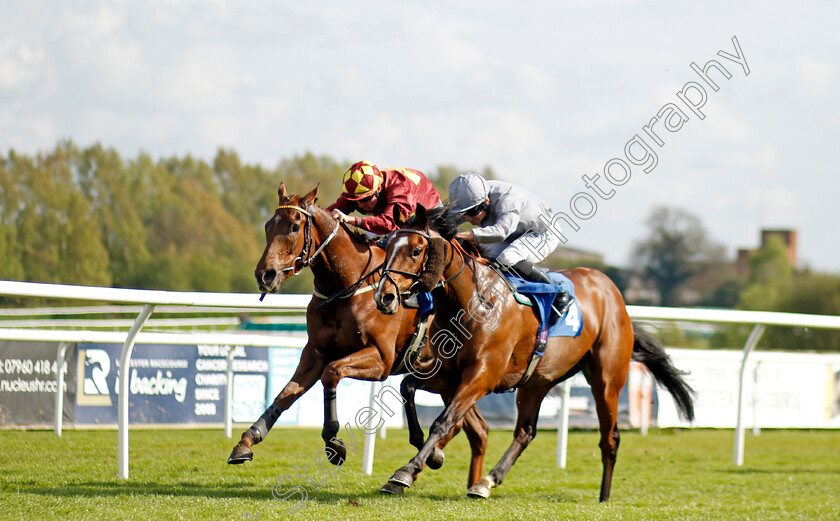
{"type": "Point", "coordinates": [361, 180]}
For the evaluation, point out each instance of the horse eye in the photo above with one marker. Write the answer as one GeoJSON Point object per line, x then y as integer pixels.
{"type": "Point", "coordinates": [417, 250]}
{"type": "Point", "coordinates": [295, 228]}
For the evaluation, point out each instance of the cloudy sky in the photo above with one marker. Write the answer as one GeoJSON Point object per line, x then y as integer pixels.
{"type": "Point", "coordinates": [544, 92]}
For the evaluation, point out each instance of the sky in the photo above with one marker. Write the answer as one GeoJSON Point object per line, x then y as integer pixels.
{"type": "Point", "coordinates": [544, 92]}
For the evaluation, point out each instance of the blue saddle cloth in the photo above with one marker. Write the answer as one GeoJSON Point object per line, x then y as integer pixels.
{"type": "Point", "coordinates": [542, 294]}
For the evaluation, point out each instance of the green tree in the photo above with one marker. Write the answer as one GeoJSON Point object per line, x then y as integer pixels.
{"type": "Point", "coordinates": [107, 183]}
{"type": "Point", "coordinates": [11, 267]}
{"type": "Point", "coordinates": [59, 235]}
{"type": "Point", "coordinates": [91, 217]}
{"type": "Point", "coordinates": [770, 278]}
{"type": "Point", "coordinates": [774, 285]}
{"type": "Point", "coordinates": [677, 248]}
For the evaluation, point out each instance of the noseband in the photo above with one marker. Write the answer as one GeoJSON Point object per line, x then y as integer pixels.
{"type": "Point", "coordinates": [386, 272]}
{"type": "Point", "coordinates": [307, 240]}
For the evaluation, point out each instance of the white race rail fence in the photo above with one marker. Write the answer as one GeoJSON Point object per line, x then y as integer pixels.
{"type": "Point", "coordinates": [151, 298]}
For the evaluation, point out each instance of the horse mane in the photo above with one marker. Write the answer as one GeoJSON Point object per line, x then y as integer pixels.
{"type": "Point", "coordinates": [442, 220]}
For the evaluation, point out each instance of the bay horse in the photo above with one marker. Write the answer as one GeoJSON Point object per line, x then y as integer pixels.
{"type": "Point", "coordinates": [478, 357]}
{"type": "Point", "coordinates": [347, 336]}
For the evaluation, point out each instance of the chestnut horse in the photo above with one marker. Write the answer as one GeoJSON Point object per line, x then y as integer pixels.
{"type": "Point", "coordinates": [348, 337]}
{"type": "Point", "coordinates": [477, 357]}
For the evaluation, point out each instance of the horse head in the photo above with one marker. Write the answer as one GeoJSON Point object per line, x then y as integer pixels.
{"type": "Point", "coordinates": [414, 261]}
{"type": "Point", "coordinates": [288, 240]}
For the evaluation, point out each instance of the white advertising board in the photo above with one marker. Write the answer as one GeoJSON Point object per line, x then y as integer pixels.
{"type": "Point", "coordinates": [783, 390]}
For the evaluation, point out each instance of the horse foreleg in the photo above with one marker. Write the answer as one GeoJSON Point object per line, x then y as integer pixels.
{"type": "Point", "coordinates": [307, 373]}
{"type": "Point", "coordinates": [466, 396]}
{"type": "Point", "coordinates": [528, 401]}
{"type": "Point", "coordinates": [366, 364]}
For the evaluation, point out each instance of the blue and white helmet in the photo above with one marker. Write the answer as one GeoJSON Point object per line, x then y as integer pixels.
{"type": "Point", "coordinates": [468, 190]}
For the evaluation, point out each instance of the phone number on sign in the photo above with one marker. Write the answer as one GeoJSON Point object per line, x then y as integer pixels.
{"type": "Point", "coordinates": [18, 366]}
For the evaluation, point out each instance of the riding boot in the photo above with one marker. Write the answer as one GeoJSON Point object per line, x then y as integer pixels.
{"type": "Point", "coordinates": [527, 270]}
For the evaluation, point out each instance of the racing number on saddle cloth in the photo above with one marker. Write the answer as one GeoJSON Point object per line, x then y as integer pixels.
{"type": "Point", "coordinates": [572, 319]}
{"type": "Point", "coordinates": [541, 298]}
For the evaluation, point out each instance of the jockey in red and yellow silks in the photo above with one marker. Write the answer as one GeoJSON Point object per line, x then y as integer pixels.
{"type": "Point", "coordinates": [376, 192]}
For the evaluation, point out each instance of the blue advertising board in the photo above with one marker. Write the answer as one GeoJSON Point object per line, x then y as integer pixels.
{"type": "Point", "coordinates": [179, 384]}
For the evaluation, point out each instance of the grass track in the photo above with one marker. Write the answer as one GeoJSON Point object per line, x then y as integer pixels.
{"type": "Point", "coordinates": [184, 475]}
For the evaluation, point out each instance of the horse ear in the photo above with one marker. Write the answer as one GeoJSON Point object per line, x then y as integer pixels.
{"type": "Point", "coordinates": [399, 218]}
{"type": "Point", "coordinates": [282, 191]}
{"type": "Point", "coordinates": [312, 196]}
{"type": "Point", "coordinates": [422, 217]}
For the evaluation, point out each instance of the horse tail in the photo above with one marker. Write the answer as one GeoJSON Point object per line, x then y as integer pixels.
{"type": "Point", "coordinates": [649, 351]}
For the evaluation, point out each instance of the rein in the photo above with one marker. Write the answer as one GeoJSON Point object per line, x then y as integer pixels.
{"type": "Point", "coordinates": [344, 293]}
{"type": "Point", "coordinates": [386, 273]}
{"type": "Point", "coordinates": [348, 291]}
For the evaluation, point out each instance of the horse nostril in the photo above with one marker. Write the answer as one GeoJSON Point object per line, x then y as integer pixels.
{"type": "Point", "coordinates": [388, 298]}
{"type": "Point", "coordinates": [266, 277]}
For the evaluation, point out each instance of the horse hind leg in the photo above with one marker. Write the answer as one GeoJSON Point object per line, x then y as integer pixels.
{"type": "Point", "coordinates": [608, 456]}
{"type": "Point", "coordinates": [528, 401]}
{"type": "Point", "coordinates": [408, 388]}
{"type": "Point", "coordinates": [605, 390]}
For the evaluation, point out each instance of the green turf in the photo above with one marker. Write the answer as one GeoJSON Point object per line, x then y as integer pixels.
{"type": "Point", "coordinates": [184, 475]}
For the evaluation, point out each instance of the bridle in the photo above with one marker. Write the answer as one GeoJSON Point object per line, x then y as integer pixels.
{"type": "Point", "coordinates": [307, 240]}
{"type": "Point", "coordinates": [386, 271]}
{"type": "Point", "coordinates": [307, 260]}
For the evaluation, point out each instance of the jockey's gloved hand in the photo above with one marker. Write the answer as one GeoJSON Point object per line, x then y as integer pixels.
{"type": "Point", "coordinates": [342, 217]}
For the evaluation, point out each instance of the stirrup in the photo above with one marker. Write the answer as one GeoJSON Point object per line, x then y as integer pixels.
{"type": "Point", "coordinates": [566, 304]}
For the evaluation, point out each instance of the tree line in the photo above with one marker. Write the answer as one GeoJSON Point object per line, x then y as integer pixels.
{"type": "Point", "coordinates": [684, 266]}
{"type": "Point", "coordinates": [88, 216]}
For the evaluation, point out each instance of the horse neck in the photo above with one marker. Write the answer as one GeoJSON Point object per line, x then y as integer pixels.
{"type": "Point", "coordinates": [343, 261]}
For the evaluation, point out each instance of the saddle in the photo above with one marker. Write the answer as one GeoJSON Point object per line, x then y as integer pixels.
{"type": "Point", "coordinates": [540, 296]}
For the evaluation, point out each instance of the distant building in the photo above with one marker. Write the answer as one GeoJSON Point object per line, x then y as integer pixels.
{"type": "Point", "coordinates": [788, 237]}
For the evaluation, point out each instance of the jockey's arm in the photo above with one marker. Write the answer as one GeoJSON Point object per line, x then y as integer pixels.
{"type": "Point", "coordinates": [500, 230]}
{"type": "Point", "coordinates": [343, 205]}
{"type": "Point", "coordinates": [384, 222]}
{"type": "Point", "coordinates": [341, 208]}
{"type": "Point", "coordinates": [467, 235]}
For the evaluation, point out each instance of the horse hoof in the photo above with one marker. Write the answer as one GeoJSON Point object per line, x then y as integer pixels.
{"type": "Point", "coordinates": [395, 490]}
{"type": "Point", "coordinates": [401, 478]}
{"type": "Point", "coordinates": [479, 490]}
{"type": "Point", "coordinates": [336, 452]}
{"type": "Point", "coordinates": [240, 454]}
{"type": "Point", "coordinates": [435, 460]}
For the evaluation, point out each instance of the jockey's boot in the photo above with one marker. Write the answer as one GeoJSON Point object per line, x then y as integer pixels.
{"type": "Point", "coordinates": [562, 302]}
